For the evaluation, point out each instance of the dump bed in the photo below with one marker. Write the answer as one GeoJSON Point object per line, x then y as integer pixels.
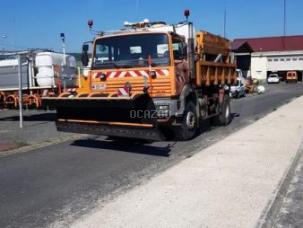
{"type": "Point", "coordinates": [212, 44]}
{"type": "Point", "coordinates": [216, 65]}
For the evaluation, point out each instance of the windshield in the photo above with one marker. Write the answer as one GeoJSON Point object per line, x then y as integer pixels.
{"type": "Point", "coordinates": [131, 51]}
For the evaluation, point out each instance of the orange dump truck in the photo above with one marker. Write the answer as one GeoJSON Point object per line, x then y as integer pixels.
{"type": "Point", "coordinates": [150, 80]}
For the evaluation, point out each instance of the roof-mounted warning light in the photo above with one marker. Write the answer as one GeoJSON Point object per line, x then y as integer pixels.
{"type": "Point", "coordinates": [62, 35]}
{"type": "Point", "coordinates": [146, 21]}
{"type": "Point", "coordinates": [186, 14]}
{"type": "Point", "coordinates": [90, 23]}
{"type": "Point", "coordinates": [134, 25]}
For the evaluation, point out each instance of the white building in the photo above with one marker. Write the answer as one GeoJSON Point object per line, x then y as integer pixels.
{"type": "Point", "coordinates": [258, 57]}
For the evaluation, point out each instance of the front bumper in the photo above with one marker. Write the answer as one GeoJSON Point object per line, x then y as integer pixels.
{"type": "Point", "coordinates": [119, 116]}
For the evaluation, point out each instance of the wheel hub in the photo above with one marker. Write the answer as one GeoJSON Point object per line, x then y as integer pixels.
{"type": "Point", "coordinates": [227, 112]}
{"type": "Point", "coordinates": [190, 120]}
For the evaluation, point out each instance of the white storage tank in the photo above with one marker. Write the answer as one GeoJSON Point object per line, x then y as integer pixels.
{"type": "Point", "coordinates": [49, 66]}
{"type": "Point", "coordinates": [9, 62]}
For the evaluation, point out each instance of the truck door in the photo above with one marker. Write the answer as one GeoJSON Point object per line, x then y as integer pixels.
{"type": "Point", "coordinates": [180, 62]}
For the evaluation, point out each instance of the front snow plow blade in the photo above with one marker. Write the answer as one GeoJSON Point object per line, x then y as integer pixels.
{"type": "Point", "coordinates": [130, 117]}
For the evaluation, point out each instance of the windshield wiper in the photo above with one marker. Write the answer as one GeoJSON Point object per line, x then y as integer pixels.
{"type": "Point", "coordinates": [135, 63]}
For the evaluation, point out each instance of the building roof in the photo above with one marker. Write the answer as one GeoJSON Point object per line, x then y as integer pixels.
{"type": "Point", "coordinates": [264, 44]}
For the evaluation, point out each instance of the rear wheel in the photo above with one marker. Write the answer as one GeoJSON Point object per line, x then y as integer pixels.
{"type": "Point", "coordinates": [224, 116]}
{"type": "Point", "coordinates": [189, 124]}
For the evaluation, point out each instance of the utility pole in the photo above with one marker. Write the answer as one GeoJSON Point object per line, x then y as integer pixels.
{"type": "Point", "coordinates": [62, 35]}
{"type": "Point", "coordinates": [284, 24]}
{"type": "Point", "coordinates": [137, 9]}
{"type": "Point", "coordinates": [63, 76]}
{"type": "Point", "coordinates": [284, 19]}
{"type": "Point", "coordinates": [224, 22]}
{"type": "Point", "coordinates": [4, 37]}
{"type": "Point", "coordinates": [20, 91]}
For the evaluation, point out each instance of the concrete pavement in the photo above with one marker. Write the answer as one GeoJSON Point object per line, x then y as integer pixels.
{"type": "Point", "coordinates": [287, 209]}
{"type": "Point", "coordinates": [229, 184]}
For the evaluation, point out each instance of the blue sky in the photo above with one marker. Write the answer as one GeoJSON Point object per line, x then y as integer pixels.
{"type": "Point", "coordinates": [38, 23]}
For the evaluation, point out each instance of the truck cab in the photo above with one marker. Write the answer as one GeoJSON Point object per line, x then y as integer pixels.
{"type": "Point", "coordinates": [129, 58]}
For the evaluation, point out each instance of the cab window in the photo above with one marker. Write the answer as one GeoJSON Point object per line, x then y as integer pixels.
{"type": "Point", "coordinates": [178, 48]}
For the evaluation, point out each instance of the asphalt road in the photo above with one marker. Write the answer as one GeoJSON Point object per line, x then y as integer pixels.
{"type": "Point", "coordinates": [64, 181]}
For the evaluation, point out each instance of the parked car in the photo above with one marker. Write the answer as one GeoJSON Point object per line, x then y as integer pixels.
{"type": "Point", "coordinates": [238, 89]}
{"type": "Point", "coordinates": [273, 78]}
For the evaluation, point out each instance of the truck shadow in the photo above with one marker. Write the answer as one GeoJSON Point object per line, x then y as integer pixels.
{"type": "Point", "coordinates": [208, 125]}
{"type": "Point", "coordinates": [126, 145]}
{"type": "Point", "coordinates": [234, 115]}
{"type": "Point", "coordinates": [142, 146]}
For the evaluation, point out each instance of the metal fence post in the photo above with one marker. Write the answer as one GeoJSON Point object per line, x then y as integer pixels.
{"type": "Point", "coordinates": [20, 91]}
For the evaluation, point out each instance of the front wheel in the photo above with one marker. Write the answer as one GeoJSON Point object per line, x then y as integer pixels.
{"type": "Point", "coordinates": [224, 116]}
{"type": "Point", "coordinates": [189, 124]}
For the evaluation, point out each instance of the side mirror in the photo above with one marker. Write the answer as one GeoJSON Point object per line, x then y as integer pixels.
{"type": "Point", "coordinates": [85, 47]}
{"type": "Point", "coordinates": [84, 55]}
{"type": "Point", "coordinates": [84, 59]}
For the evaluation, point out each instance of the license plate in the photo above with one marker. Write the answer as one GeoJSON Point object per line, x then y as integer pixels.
{"type": "Point", "coordinates": [99, 86]}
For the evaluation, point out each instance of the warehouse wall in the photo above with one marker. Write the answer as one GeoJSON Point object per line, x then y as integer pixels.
{"type": "Point", "coordinates": [264, 62]}
{"type": "Point", "coordinates": [285, 63]}
{"type": "Point", "coordinates": [259, 67]}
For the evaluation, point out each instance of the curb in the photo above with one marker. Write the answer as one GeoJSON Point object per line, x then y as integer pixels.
{"type": "Point", "coordinates": [40, 145]}
{"type": "Point", "coordinates": [270, 213]}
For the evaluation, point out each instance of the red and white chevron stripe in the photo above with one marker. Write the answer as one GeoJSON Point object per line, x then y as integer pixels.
{"type": "Point", "coordinates": [123, 92]}
{"type": "Point", "coordinates": [130, 73]}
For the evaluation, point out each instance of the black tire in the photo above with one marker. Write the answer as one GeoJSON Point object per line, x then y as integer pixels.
{"type": "Point", "coordinates": [224, 116]}
{"type": "Point", "coordinates": [189, 124]}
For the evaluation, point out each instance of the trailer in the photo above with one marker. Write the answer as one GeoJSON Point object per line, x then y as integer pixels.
{"type": "Point", "coordinates": [43, 74]}
{"type": "Point", "coordinates": [150, 80]}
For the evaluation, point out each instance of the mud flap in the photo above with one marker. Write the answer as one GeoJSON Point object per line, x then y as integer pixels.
{"type": "Point", "coordinates": [121, 117]}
